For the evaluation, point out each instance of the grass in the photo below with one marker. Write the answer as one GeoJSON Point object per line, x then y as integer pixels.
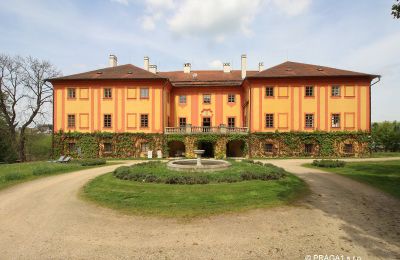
{"type": "Point", "coordinates": [382, 175]}
{"type": "Point", "coordinates": [188, 201]}
{"type": "Point", "coordinates": [12, 174]}
{"type": "Point", "coordinates": [385, 154]}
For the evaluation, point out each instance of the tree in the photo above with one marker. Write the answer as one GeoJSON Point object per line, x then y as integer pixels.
{"type": "Point", "coordinates": [24, 92]}
{"type": "Point", "coordinates": [7, 150]}
{"type": "Point", "coordinates": [396, 9]}
{"type": "Point", "coordinates": [386, 136]}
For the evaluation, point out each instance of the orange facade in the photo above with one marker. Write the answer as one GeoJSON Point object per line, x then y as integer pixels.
{"type": "Point", "coordinates": [129, 99]}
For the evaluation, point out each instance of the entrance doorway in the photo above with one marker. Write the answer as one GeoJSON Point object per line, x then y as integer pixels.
{"type": "Point", "coordinates": [176, 149]}
{"type": "Point", "coordinates": [208, 148]}
{"type": "Point", "coordinates": [235, 148]}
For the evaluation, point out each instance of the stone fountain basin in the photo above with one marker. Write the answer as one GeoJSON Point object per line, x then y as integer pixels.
{"type": "Point", "coordinates": [208, 165]}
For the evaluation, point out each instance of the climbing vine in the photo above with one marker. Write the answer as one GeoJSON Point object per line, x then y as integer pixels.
{"type": "Point", "coordinates": [91, 145]}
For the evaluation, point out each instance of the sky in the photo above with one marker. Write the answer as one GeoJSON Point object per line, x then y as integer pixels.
{"type": "Point", "coordinates": [79, 35]}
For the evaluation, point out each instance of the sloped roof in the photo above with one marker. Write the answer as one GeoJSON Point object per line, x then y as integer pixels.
{"type": "Point", "coordinates": [205, 77]}
{"type": "Point", "coordinates": [127, 71]}
{"type": "Point", "coordinates": [296, 69]}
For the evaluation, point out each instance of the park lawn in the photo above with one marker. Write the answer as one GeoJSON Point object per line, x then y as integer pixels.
{"type": "Point", "coordinates": [382, 175]}
{"type": "Point", "coordinates": [12, 174]}
{"type": "Point", "coordinates": [189, 201]}
{"type": "Point", "coordinates": [385, 154]}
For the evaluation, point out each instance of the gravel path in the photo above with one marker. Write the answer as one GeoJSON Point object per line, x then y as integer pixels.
{"type": "Point", "coordinates": [45, 219]}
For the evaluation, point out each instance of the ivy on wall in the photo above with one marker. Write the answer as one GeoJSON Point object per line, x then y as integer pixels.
{"type": "Point", "coordinates": [285, 144]}
{"type": "Point", "coordinates": [91, 145]}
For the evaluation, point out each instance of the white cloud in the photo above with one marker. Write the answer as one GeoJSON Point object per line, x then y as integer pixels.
{"type": "Point", "coordinates": [215, 64]}
{"type": "Point", "coordinates": [213, 17]}
{"type": "Point", "coordinates": [292, 7]}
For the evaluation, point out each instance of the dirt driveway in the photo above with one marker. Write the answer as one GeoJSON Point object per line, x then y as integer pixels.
{"type": "Point", "coordinates": [44, 219]}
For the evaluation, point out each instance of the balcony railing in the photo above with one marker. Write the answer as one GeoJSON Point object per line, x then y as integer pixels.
{"type": "Point", "coordinates": [222, 129]}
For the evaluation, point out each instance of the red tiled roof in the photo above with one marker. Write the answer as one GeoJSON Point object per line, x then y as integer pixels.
{"type": "Point", "coordinates": [205, 77]}
{"type": "Point", "coordinates": [127, 71]}
{"type": "Point", "coordinates": [213, 77]}
{"type": "Point", "coordinates": [296, 69]}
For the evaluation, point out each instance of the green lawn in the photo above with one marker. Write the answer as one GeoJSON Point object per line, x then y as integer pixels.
{"type": "Point", "coordinates": [382, 175]}
{"type": "Point", "coordinates": [11, 174]}
{"type": "Point", "coordinates": [385, 154]}
{"type": "Point", "coordinates": [174, 200]}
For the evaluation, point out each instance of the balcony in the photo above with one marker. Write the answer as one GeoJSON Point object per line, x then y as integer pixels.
{"type": "Point", "coordinates": [222, 129]}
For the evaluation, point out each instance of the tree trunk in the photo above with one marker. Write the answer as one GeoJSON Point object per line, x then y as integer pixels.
{"type": "Point", "coordinates": [21, 147]}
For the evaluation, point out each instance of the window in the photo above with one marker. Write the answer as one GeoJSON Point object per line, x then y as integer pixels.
{"type": "Point", "coordinates": [336, 120]}
{"type": "Point", "coordinates": [309, 120]}
{"type": "Point", "coordinates": [335, 91]}
{"type": "Point", "coordinates": [308, 148]}
{"type": "Point", "coordinates": [269, 91]}
{"type": "Point", "coordinates": [107, 147]}
{"type": "Point", "coordinates": [71, 147]}
{"type": "Point", "coordinates": [144, 121]}
{"type": "Point", "coordinates": [269, 120]}
{"type": "Point", "coordinates": [182, 121]}
{"type": "Point", "coordinates": [144, 93]}
{"type": "Point", "coordinates": [268, 148]}
{"type": "Point", "coordinates": [207, 99]}
{"type": "Point", "coordinates": [144, 147]}
{"type": "Point", "coordinates": [231, 98]}
{"type": "Point", "coordinates": [231, 122]}
{"type": "Point", "coordinates": [107, 93]}
{"type": "Point", "coordinates": [182, 99]}
{"type": "Point", "coordinates": [71, 92]}
{"type": "Point", "coordinates": [206, 121]}
{"type": "Point", "coordinates": [107, 121]}
{"type": "Point", "coordinates": [348, 148]}
{"type": "Point", "coordinates": [71, 121]}
{"type": "Point", "coordinates": [309, 91]}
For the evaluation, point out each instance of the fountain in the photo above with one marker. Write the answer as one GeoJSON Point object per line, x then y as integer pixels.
{"type": "Point", "coordinates": [198, 154]}
{"type": "Point", "coordinates": [198, 164]}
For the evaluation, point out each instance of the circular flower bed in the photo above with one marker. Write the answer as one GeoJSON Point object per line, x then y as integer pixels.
{"type": "Point", "coordinates": [157, 172]}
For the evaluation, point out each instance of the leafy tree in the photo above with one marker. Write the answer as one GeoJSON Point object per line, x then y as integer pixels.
{"type": "Point", "coordinates": [7, 150]}
{"type": "Point", "coordinates": [396, 9]}
{"type": "Point", "coordinates": [386, 136]}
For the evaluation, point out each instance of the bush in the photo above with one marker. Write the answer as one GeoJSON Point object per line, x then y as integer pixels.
{"type": "Point", "coordinates": [12, 176]}
{"type": "Point", "coordinates": [157, 172]}
{"type": "Point", "coordinates": [329, 163]}
{"type": "Point", "coordinates": [92, 162]}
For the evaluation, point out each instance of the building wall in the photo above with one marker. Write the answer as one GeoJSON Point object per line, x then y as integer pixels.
{"type": "Point", "coordinates": [125, 106]}
{"type": "Point", "coordinates": [289, 104]}
{"type": "Point", "coordinates": [194, 110]}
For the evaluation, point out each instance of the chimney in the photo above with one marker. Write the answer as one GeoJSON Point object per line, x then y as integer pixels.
{"type": "Point", "coordinates": [244, 65]}
{"type": "Point", "coordinates": [146, 63]}
{"type": "Point", "coordinates": [227, 67]}
{"type": "Point", "coordinates": [112, 60]}
{"type": "Point", "coordinates": [260, 66]}
{"type": "Point", "coordinates": [186, 67]}
{"type": "Point", "coordinates": [153, 69]}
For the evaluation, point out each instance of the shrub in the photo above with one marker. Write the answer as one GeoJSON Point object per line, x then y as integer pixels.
{"type": "Point", "coordinates": [157, 172]}
{"type": "Point", "coordinates": [329, 163]}
{"type": "Point", "coordinates": [92, 162]}
{"type": "Point", "coordinates": [12, 176]}
{"type": "Point", "coordinates": [121, 171]}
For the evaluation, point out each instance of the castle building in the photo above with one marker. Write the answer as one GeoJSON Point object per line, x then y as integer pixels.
{"type": "Point", "coordinates": [291, 109]}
